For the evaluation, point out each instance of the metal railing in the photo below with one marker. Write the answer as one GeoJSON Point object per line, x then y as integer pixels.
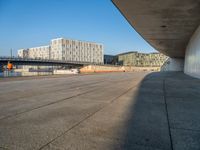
{"type": "Point", "coordinates": [6, 58]}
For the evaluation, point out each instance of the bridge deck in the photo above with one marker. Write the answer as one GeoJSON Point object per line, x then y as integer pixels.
{"type": "Point", "coordinates": [31, 61]}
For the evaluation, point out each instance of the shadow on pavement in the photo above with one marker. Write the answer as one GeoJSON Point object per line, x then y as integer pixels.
{"type": "Point", "coordinates": [158, 116]}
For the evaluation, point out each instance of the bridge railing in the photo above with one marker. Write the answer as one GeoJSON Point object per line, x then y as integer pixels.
{"type": "Point", "coordinates": [6, 58]}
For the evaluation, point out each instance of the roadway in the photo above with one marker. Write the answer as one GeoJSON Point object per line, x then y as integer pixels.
{"type": "Point", "coordinates": [101, 111]}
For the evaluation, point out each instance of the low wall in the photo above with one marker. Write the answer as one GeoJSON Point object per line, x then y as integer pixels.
{"type": "Point", "coordinates": [98, 69]}
{"type": "Point", "coordinates": [173, 64]}
{"type": "Point", "coordinates": [70, 71]}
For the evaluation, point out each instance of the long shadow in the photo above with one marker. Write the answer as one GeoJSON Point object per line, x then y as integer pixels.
{"type": "Point", "coordinates": [147, 123]}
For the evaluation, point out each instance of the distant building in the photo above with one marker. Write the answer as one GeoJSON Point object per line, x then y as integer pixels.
{"type": "Point", "coordinates": [74, 50]}
{"type": "Point", "coordinates": [42, 52]}
{"type": "Point", "coordinates": [109, 59]}
{"type": "Point", "coordinates": [66, 50]}
{"type": "Point", "coordinates": [22, 53]}
{"type": "Point", "coordinates": [135, 58]}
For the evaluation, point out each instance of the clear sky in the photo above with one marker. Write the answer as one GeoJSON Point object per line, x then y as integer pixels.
{"type": "Point", "coordinates": [31, 23]}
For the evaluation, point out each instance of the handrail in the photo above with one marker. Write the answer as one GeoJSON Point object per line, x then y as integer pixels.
{"type": "Point", "coordinates": [43, 60]}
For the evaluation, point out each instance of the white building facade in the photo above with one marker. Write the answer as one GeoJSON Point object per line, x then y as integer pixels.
{"type": "Point", "coordinates": [42, 52]}
{"type": "Point", "coordinates": [22, 53]}
{"type": "Point", "coordinates": [67, 50]}
{"type": "Point", "coordinates": [74, 50]}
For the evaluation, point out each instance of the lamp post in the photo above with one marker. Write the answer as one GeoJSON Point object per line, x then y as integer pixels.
{"type": "Point", "coordinates": [11, 55]}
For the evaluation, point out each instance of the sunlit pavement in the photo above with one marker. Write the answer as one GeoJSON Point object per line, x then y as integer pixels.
{"type": "Point", "coordinates": [101, 111]}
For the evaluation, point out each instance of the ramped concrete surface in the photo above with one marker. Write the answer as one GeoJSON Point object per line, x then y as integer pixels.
{"type": "Point", "coordinates": [140, 111]}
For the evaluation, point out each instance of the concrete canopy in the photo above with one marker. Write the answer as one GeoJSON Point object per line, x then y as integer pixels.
{"type": "Point", "coordinates": [167, 25]}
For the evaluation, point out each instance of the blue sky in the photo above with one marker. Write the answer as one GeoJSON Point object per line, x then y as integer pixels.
{"type": "Point", "coordinates": [30, 23]}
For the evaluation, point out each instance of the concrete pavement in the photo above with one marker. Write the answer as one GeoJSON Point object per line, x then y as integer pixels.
{"type": "Point", "coordinates": [101, 111]}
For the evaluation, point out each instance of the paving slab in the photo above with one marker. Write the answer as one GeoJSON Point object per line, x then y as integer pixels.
{"type": "Point", "coordinates": [184, 113]}
{"type": "Point", "coordinates": [131, 110]}
{"type": "Point", "coordinates": [186, 139]}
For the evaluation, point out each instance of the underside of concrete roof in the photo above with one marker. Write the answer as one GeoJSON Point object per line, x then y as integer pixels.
{"type": "Point", "coordinates": [167, 25]}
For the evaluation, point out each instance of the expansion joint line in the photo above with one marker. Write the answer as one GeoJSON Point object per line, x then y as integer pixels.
{"type": "Point", "coordinates": [87, 117]}
{"type": "Point", "coordinates": [45, 105]}
{"type": "Point", "coordinates": [167, 114]}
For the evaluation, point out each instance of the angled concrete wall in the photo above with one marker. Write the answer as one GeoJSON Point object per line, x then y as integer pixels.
{"type": "Point", "coordinates": [173, 64]}
{"type": "Point", "coordinates": [192, 55]}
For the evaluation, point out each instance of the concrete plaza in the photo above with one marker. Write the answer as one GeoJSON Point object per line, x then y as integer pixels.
{"type": "Point", "coordinates": [138, 110]}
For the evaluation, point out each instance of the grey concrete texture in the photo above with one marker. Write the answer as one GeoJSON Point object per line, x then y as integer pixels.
{"type": "Point", "coordinates": [167, 25]}
{"type": "Point", "coordinates": [138, 110]}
